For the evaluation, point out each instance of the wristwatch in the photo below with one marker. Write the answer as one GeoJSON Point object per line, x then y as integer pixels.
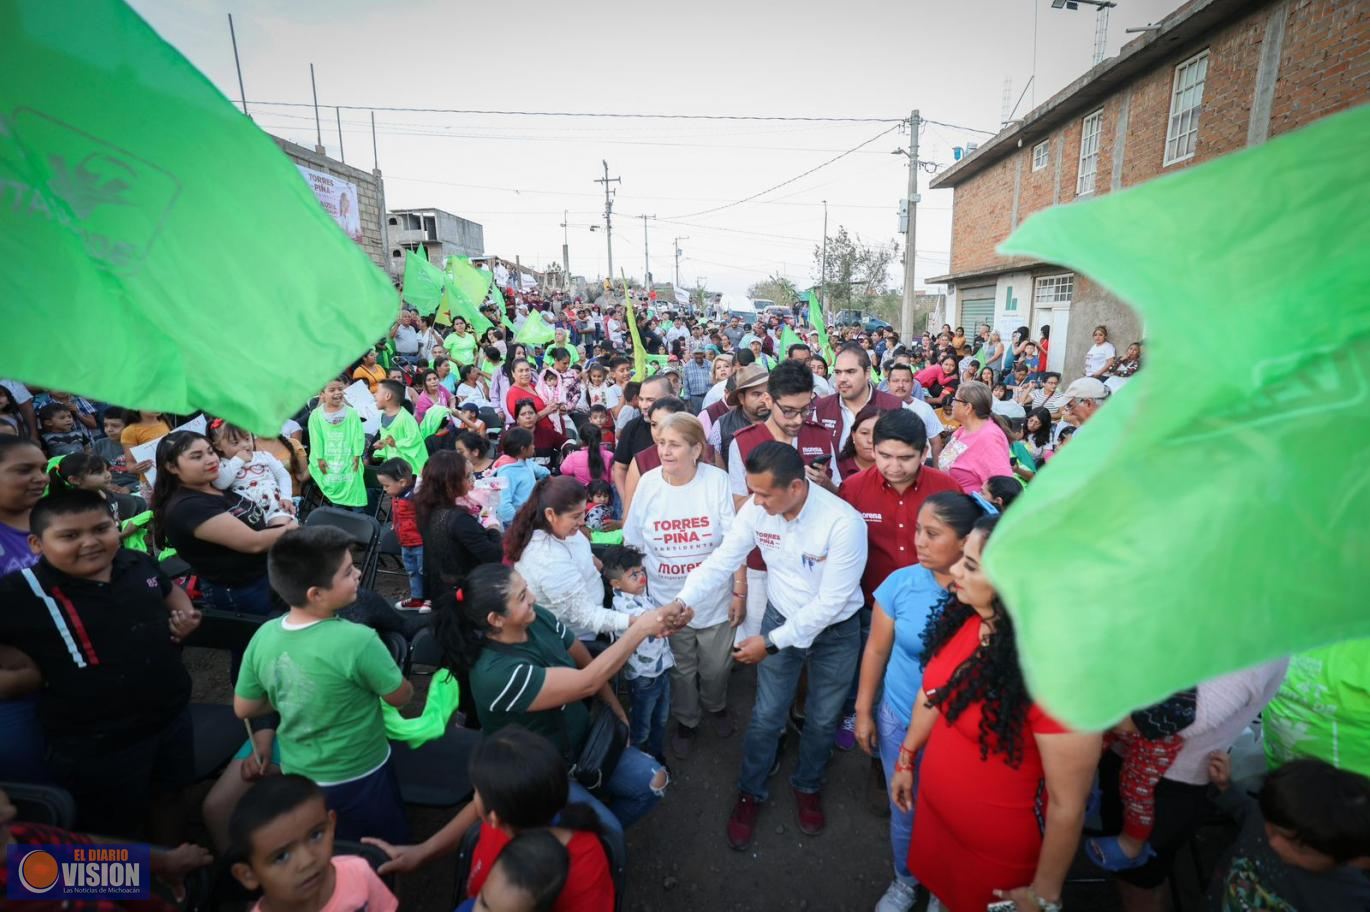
{"type": "Point", "coordinates": [771, 648]}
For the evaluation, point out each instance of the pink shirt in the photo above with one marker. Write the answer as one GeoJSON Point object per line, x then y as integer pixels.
{"type": "Point", "coordinates": [426, 402]}
{"type": "Point", "coordinates": [970, 459]}
{"type": "Point", "coordinates": [357, 888]}
{"type": "Point", "coordinates": [577, 465]}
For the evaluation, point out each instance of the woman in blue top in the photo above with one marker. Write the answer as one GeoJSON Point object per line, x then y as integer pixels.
{"type": "Point", "coordinates": [891, 665]}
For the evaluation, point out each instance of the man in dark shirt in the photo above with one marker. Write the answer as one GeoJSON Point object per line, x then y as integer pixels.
{"type": "Point", "coordinates": [102, 624]}
{"type": "Point", "coordinates": [636, 435]}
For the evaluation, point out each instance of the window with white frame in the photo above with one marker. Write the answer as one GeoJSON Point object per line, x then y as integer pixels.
{"type": "Point", "coordinates": [1040, 153]}
{"type": "Point", "coordinates": [1089, 152]}
{"type": "Point", "coordinates": [1186, 100]}
{"type": "Point", "coordinates": [1054, 291]}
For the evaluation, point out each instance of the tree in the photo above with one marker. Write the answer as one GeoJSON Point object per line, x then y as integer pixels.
{"type": "Point", "coordinates": [857, 272]}
{"type": "Point", "coordinates": [777, 288]}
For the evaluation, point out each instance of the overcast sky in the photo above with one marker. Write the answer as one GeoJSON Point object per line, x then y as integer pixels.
{"type": "Point", "coordinates": [516, 175]}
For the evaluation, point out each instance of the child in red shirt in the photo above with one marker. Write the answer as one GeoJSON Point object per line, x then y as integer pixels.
{"type": "Point", "coordinates": [397, 479]}
{"type": "Point", "coordinates": [521, 785]}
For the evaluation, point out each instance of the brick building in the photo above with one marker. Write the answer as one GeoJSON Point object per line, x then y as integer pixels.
{"type": "Point", "coordinates": [1214, 77]}
{"type": "Point", "coordinates": [369, 201]}
{"type": "Point", "coordinates": [441, 233]}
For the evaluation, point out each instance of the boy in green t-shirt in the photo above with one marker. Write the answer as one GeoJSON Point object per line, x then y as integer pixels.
{"type": "Point", "coordinates": [399, 434]}
{"type": "Point", "coordinates": [323, 675]}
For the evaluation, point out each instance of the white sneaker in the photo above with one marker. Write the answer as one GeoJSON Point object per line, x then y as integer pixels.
{"type": "Point", "coordinates": [900, 897]}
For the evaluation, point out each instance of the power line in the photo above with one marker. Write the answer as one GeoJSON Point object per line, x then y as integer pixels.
{"type": "Point", "coordinates": [621, 115]}
{"type": "Point", "coordinates": [830, 161]}
{"type": "Point", "coordinates": [950, 125]}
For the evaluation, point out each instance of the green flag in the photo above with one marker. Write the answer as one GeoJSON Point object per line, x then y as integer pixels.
{"type": "Point", "coordinates": [422, 283]}
{"type": "Point", "coordinates": [787, 338]}
{"type": "Point", "coordinates": [1241, 504]}
{"type": "Point", "coordinates": [639, 353]}
{"type": "Point", "coordinates": [817, 322]}
{"type": "Point", "coordinates": [174, 275]}
{"type": "Point", "coordinates": [467, 287]}
{"type": "Point", "coordinates": [534, 330]}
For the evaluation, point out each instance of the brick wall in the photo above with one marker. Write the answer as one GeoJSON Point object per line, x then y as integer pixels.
{"type": "Point", "coordinates": [370, 195]}
{"type": "Point", "coordinates": [1324, 63]}
{"type": "Point", "coordinates": [1324, 67]}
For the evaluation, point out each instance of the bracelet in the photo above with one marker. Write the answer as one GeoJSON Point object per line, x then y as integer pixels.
{"type": "Point", "coordinates": [903, 766]}
{"type": "Point", "coordinates": [740, 595]}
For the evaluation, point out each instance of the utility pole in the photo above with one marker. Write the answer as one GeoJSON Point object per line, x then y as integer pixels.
{"type": "Point", "coordinates": [823, 267]}
{"type": "Point", "coordinates": [646, 257]}
{"type": "Point", "coordinates": [676, 244]}
{"type": "Point", "coordinates": [911, 232]}
{"type": "Point", "coordinates": [565, 247]}
{"type": "Point", "coordinates": [233, 36]}
{"type": "Point", "coordinates": [318, 127]}
{"type": "Point", "coordinates": [606, 180]}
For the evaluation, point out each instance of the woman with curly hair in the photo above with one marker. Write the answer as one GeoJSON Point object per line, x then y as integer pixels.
{"type": "Point", "coordinates": [1002, 786]}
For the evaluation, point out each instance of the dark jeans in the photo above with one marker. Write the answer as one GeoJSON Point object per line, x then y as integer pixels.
{"type": "Point", "coordinates": [831, 661]}
{"type": "Point", "coordinates": [253, 598]}
{"type": "Point", "coordinates": [114, 783]}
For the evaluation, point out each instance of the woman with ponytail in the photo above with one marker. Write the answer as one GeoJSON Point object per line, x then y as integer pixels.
{"type": "Point", "coordinates": [546, 546]}
{"type": "Point", "coordinates": [526, 668]}
{"type": "Point", "coordinates": [1001, 785]}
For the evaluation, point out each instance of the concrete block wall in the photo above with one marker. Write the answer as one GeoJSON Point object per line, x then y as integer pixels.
{"type": "Point", "coordinates": [370, 195]}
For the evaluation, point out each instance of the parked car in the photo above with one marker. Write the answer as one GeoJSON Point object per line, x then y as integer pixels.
{"type": "Point", "coordinates": [867, 321]}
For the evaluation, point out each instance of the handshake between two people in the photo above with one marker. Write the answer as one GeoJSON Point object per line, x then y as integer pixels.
{"type": "Point", "coordinates": [666, 620]}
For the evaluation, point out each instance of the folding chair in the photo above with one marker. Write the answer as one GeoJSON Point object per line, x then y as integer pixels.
{"type": "Point", "coordinates": [425, 653]}
{"type": "Point", "coordinates": [227, 630]}
{"type": "Point", "coordinates": [389, 547]}
{"type": "Point", "coordinates": [398, 646]}
{"type": "Point", "coordinates": [45, 804]}
{"type": "Point", "coordinates": [364, 530]}
{"type": "Point", "coordinates": [218, 735]}
{"type": "Point", "coordinates": [374, 856]}
{"type": "Point", "coordinates": [434, 775]}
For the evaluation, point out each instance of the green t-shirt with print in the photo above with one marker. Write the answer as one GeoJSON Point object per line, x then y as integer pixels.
{"type": "Point", "coordinates": [324, 679]}
{"type": "Point", "coordinates": [507, 678]}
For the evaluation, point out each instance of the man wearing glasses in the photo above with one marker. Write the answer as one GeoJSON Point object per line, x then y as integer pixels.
{"type": "Point", "coordinates": [1083, 399]}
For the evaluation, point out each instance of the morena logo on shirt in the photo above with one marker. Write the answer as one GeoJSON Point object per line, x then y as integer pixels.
{"type": "Point", "coordinates": [873, 517]}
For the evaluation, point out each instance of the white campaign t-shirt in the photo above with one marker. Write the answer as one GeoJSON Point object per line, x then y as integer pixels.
{"type": "Point", "coordinates": [677, 527]}
{"type": "Point", "coordinates": [931, 422]}
{"type": "Point", "coordinates": [1097, 357]}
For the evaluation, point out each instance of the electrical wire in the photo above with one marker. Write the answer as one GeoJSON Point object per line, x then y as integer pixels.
{"type": "Point", "coordinates": [620, 115]}
{"type": "Point", "coordinates": [797, 177]}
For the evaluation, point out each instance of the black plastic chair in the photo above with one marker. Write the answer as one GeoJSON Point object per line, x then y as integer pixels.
{"type": "Point", "coordinates": [174, 566]}
{"type": "Point", "coordinates": [228, 630]}
{"type": "Point", "coordinates": [44, 804]}
{"type": "Point", "coordinates": [374, 856]}
{"type": "Point", "coordinates": [398, 646]}
{"type": "Point", "coordinates": [364, 530]}
{"type": "Point", "coordinates": [218, 735]}
{"type": "Point", "coordinates": [434, 775]}
{"type": "Point", "coordinates": [389, 547]}
{"type": "Point", "coordinates": [425, 654]}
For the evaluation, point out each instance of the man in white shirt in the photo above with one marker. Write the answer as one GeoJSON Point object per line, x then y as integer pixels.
{"type": "Point", "coordinates": [900, 378]}
{"type": "Point", "coordinates": [815, 546]}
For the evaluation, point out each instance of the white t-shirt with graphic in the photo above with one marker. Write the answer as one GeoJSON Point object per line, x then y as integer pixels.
{"type": "Point", "coordinates": [676, 527]}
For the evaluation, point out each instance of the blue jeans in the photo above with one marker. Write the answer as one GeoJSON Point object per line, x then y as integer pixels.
{"type": "Point", "coordinates": [891, 731]}
{"type": "Point", "coordinates": [650, 709]}
{"type": "Point", "coordinates": [249, 598]}
{"type": "Point", "coordinates": [413, 565]}
{"type": "Point", "coordinates": [864, 614]}
{"type": "Point", "coordinates": [628, 793]}
{"type": "Point", "coordinates": [831, 660]}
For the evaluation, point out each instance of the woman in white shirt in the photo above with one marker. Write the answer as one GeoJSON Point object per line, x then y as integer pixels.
{"type": "Point", "coordinates": [1101, 354]}
{"type": "Point", "coordinates": [473, 388]}
{"type": "Point", "coordinates": [548, 550]}
{"type": "Point", "coordinates": [679, 514]}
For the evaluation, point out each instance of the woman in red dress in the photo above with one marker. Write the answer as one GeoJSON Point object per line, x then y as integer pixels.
{"type": "Point", "coordinates": [546, 433]}
{"type": "Point", "coordinates": [1002, 786]}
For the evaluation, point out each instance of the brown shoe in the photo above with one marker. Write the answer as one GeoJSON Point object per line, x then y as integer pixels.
{"type": "Point", "coordinates": [742, 823]}
{"type": "Point", "coordinates": [808, 807]}
{"type": "Point", "coordinates": [723, 724]}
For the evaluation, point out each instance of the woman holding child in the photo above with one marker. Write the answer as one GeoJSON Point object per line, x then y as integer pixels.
{"type": "Point", "coordinates": [222, 535]}
{"type": "Point", "coordinates": [679, 514]}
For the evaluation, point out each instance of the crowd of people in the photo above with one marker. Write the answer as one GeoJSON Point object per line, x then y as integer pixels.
{"type": "Point", "coordinates": [596, 549]}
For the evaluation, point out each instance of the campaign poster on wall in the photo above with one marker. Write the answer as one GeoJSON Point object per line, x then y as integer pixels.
{"type": "Point", "coordinates": [339, 199]}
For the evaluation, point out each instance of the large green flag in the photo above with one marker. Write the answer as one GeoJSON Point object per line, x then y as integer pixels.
{"type": "Point", "coordinates": [817, 322]}
{"type": "Point", "coordinates": [787, 338]}
{"type": "Point", "coordinates": [534, 330]}
{"type": "Point", "coordinates": [1212, 515]}
{"type": "Point", "coordinates": [422, 283]}
{"type": "Point", "coordinates": [467, 287]}
{"type": "Point", "coordinates": [180, 281]}
{"type": "Point", "coordinates": [639, 352]}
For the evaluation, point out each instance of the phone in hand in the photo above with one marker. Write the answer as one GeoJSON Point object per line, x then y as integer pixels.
{"type": "Point", "coordinates": [1003, 905]}
{"type": "Point", "coordinates": [820, 462]}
